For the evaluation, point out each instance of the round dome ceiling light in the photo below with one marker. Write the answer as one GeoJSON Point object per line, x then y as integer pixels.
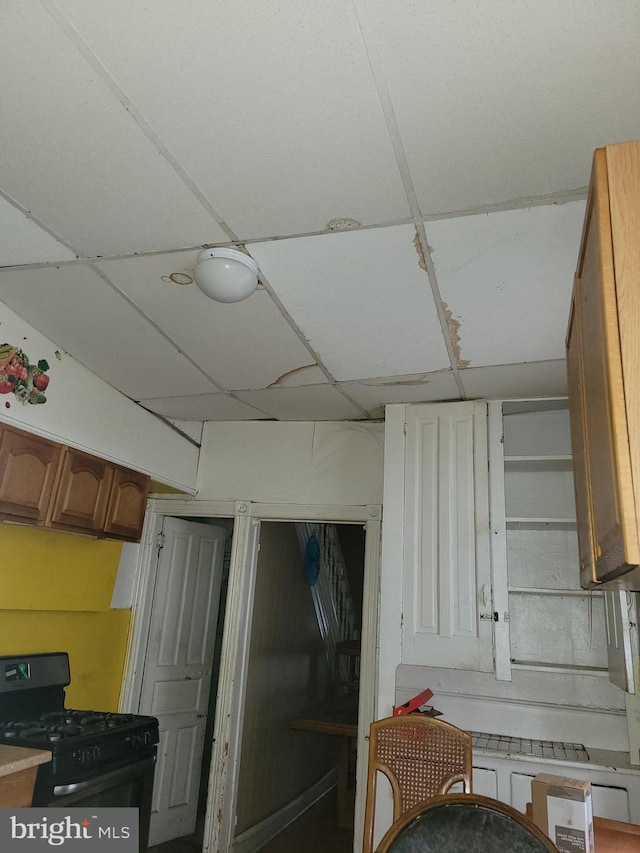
{"type": "Point", "coordinates": [226, 275]}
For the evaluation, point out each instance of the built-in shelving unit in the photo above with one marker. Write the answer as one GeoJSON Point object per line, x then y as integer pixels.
{"type": "Point", "coordinates": [555, 625]}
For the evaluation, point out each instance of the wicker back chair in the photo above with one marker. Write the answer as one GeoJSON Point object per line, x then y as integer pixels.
{"type": "Point", "coordinates": [421, 757]}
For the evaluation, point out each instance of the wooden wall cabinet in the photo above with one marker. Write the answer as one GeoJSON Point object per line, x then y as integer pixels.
{"type": "Point", "coordinates": [603, 365]}
{"type": "Point", "coordinates": [49, 485]}
{"type": "Point", "coordinates": [83, 492]}
{"type": "Point", "coordinates": [28, 467]}
{"type": "Point", "coordinates": [127, 502]}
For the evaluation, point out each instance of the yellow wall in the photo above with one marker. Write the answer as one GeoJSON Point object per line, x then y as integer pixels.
{"type": "Point", "coordinates": [55, 597]}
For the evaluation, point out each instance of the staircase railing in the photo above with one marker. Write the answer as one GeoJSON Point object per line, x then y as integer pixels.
{"type": "Point", "coordinates": [331, 593]}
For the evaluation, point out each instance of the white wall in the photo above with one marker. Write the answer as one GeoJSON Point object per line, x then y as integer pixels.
{"type": "Point", "coordinates": [85, 412]}
{"type": "Point", "coordinates": [301, 462]}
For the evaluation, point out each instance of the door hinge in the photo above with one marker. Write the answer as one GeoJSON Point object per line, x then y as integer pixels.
{"type": "Point", "coordinates": [160, 541]}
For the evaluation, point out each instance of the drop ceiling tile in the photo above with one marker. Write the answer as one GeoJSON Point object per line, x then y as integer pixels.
{"type": "Point", "coordinates": [271, 108]}
{"type": "Point", "coordinates": [538, 379]}
{"type": "Point", "coordinates": [244, 345]}
{"type": "Point", "coordinates": [521, 93]}
{"type": "Point", "coordinates": [312, 403]}
{"type": "Point", "coordinates": [74, 307]}
{"type": "Point", "coordinates": [507, 279]}
{"type": "Point", "coordinates": [373, 395]}
{"type": "Point", "coordinates": [24, 242]}
{"type": "Point", "coordinates": [361, 300]}
{"type": "Point", "coordinates": [204, 407]}
{"type": "Point", "coordinates": [73, 155]}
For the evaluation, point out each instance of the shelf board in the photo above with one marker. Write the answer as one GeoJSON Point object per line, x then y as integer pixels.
{"type": "Point", "coordinates": [530, 590]}
{"type": "Point", "coordinates": [521, 523]}
{"type": "Point", "coordinates": [538, 463]}
{"type": "Point", "coordinates": [540, 666]}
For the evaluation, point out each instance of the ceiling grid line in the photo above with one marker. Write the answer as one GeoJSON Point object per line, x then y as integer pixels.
{"type": "Point", "coordinates": [375, 63]}
{"type": "Point", "coordinates": [442, 316]}
{"type": "Point", "coordinates": [298, 332]}
{"type": "Point", "coordinates": [141, 313]}
{"type": "Point", "coordinates": [36, 221]}
{"type": "Point", "coordinates": [384, 96]}
{"type": "Point", "coordinates": [131, 109]}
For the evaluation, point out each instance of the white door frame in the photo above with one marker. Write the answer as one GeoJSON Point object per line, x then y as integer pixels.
{"type": "Point", "coordinates": [227, 734]}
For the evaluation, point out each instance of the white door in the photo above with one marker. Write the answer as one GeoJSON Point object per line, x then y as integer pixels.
{"type": "Point", "coordinates": [177, 671]}
{"type": "Point", "coordinates": [447, 605]}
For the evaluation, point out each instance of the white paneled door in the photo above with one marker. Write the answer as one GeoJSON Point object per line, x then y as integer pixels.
{"type": "Point", "coordinates": [178, 664]}
{"type": "Point", "coordinates": [447, 599]}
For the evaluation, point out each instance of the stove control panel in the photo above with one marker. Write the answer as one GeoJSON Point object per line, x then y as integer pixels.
{"type": "Point", "coordinates": [141, 739]}
{"type": "Point", "coordinates": [88, 755]}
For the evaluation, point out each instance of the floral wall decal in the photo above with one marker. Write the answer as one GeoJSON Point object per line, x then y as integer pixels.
{"type": "Point", "coordinates": [18, 376]}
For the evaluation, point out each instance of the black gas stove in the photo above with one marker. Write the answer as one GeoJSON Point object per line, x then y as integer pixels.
{"type": "Point", "coordinates": [98, 758]}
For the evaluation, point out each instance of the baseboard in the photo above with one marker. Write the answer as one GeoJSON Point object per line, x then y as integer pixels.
{"type": "Point", "coordinates": [256, 837]}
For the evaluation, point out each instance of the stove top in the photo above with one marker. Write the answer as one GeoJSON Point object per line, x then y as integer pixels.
{"type": "Point", "coordinates": [70, 728]}
{"type": "Point", "coordinates": [33, 715]}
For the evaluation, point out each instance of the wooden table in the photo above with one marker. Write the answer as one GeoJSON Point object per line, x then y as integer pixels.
{"type": "Point", "coordinates": [612, 836]}
{"type": "Point", "coordinates": [340, 719]}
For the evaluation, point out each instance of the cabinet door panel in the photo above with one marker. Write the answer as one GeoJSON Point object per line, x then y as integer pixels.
{"type": "Point", "coordinates": [520, 789]}
{"type": "Point", "coordinates": [28, 466]}
{"type": "Point", "coordinates": [485, 782]}
{"type": "Point", "coordinates": [615, 531]}
{"type": "Point", "coordinates": [623, 169]}
{"type": "Point", "coordinates": [83, 492]}
{"type": "Point", "coordinates": [127, 503]}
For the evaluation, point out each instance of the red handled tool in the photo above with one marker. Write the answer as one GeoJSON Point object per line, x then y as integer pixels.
{"type": "Point", "coordinates": [413, 705]}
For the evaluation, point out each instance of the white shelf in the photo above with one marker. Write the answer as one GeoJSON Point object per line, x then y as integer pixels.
{"type": "Point", "coordinates": [538, 463]}
{"type": "Point", "coordinates": [538, 666]}
{"type": "Point", "coordinates": [526, 590]}
{"type": "Point", "coordinates": [519, 522]}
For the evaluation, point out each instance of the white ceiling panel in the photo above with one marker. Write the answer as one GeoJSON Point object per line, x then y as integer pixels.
{"type": "Point", "coordinates": [498, 101]}
{"type": "Point", "coordinates": [242, 345]}
{"type": "Point", "coordinates": [75, 158]}
{"type": "Point", "coordinates": [24, 242]}
{"type": "Point", "coordinates": [204, 407]}
{"type": "Point", "coordinates": [311, 403]}
{"type": "Point", "coordinates": [374, 395]}
{"type": "Point", "coordinates": [318, 135]}
{"type": "Point", "coordinates": [259, 102]}
{"type": "Point", "coordinates": [76, 309]}
{"type": "Point", "coordinates": [539, 379]}
{"type": "Point", "coordinates": [360, 298]}
{"type": "Point", "coordinates": [507, 279]}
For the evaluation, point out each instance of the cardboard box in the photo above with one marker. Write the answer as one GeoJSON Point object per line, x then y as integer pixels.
{"type": "Point", "coordinates": [562, 809]}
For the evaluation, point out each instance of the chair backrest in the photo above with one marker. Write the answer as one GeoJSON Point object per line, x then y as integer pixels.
{"type": "Point", "coordinates": [465, 823]}
{"type": "Point", "coordinates": [422, 757]}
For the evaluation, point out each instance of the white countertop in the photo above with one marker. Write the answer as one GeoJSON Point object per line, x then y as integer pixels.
{"type": "Point", "coordinates": [599, 759]}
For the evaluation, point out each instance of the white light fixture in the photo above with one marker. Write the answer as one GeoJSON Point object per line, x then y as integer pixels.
{"type": "Point", "coordinates": [226, 275]}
